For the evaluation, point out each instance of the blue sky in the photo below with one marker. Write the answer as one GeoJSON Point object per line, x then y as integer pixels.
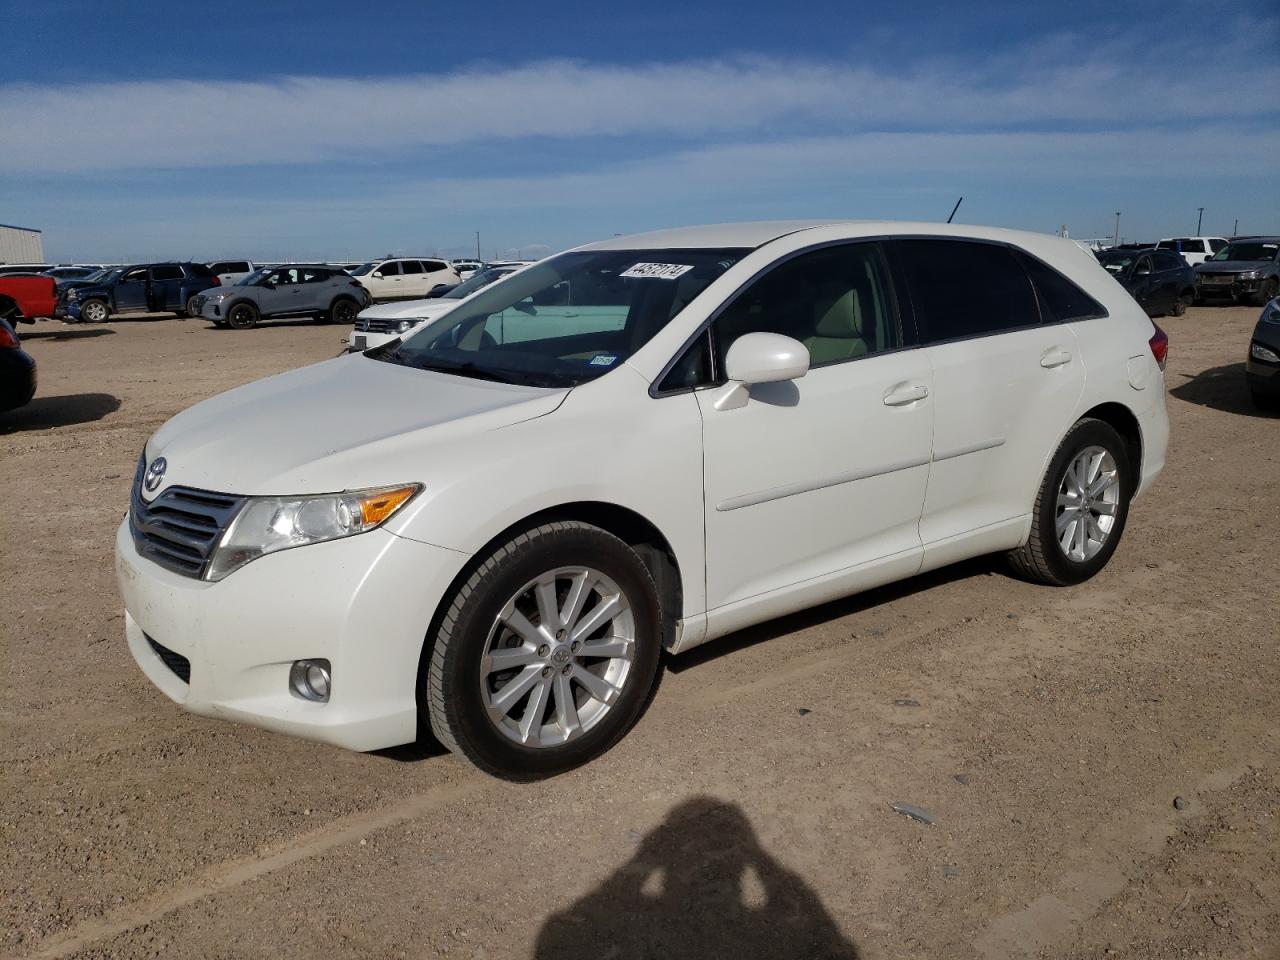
{"type": "Point", "coordinates": [142, 130]}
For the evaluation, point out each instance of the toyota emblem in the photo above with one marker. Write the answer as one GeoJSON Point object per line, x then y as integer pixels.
{"type": "Point", "coordinates": [155, 474]}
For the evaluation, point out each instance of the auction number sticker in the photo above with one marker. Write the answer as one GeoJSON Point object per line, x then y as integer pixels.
{"type": "Point", "coordinates": [657, 271]}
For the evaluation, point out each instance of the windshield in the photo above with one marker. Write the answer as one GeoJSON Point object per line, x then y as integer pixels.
{"type": "Point", "coordinates": [475, 282]}
{"type": "Point", "coordinates": [567, 320]}
{"type": "Point", "coordinates": [364, 268]}
{"type": "Point", "coordinates": [1248, 250]}
{"type": "Point", "coordinates": [252, 278]}
{"type": "Point", "coordinates": [1117, 261]}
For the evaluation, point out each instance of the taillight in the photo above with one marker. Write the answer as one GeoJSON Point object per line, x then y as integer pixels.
{"type": "Point", "coordinates": [7, 338]}
{"type": "Point", "coordinates": [217, 280]}
{"type": "Point", "coordinates": [1159, 344]}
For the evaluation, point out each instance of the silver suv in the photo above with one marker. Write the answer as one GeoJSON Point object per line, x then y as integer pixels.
{"type": "Point", "coordinates": [316, 290]}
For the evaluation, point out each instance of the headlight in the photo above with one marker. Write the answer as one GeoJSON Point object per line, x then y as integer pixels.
{"type": "Point", "coordinates": [1259, 352]}
{"type": "Point", "coordinates": [1251, 275]}
{"type": "Point", "coordinates": [218, 297]}
{"type": "Point", "coordinates": [267, 524]}
{"type": "Point", "coordinates": [403, 325]}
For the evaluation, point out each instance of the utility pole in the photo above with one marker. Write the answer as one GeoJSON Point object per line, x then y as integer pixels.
{"type": "Point", "coordinates": [1199, 220]}
{"type": "Point", "coordinates": [1116, 239]}
{"type": "Point", "coordinates": [1236, 229]}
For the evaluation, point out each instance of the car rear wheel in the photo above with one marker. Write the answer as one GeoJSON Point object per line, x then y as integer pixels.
{"type": "Point", "coordinates": [343, 311]}
{"type": "Point", "coordinates": [242, 316]}
{"type": "Point", "coordinates": [94, 311]}
{"type": "Point", "coordinates": [1081, 508]}
{"type": "Point", "coordinates": [1180, 305]}
{"type": "Point", "coordinates": [546, 654]}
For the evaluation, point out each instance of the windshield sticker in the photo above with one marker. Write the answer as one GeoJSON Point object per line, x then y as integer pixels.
{"type": "Point", "coordinates": [656, 271]}
{"type": "Point", "coordinates": [604, 360]}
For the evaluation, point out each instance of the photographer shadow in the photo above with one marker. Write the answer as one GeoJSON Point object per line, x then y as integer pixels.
{"type": "Point", "coordinates": [699, 886]}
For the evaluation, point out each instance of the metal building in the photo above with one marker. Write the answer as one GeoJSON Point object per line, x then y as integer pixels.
{"type": "Point", "coordinates": [20, 245]}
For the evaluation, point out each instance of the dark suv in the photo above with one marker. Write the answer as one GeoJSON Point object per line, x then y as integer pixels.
{"type": "Point", "coordinates": [1159, 280]}
{"type": "Point", "coordinates": [1246, 270]}
{"type": "Point", "coordinates": [143, 288]}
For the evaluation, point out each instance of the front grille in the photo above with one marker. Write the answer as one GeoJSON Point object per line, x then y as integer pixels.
{"type": "Point", "coordinates": [365, 325]}
{"type": "Point", "coordinates": [175, 661]}
{"type": "Point", "coordinates": [180, 528]}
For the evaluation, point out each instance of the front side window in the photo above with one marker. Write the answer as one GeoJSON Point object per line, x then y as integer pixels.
{"type": "Point", "coordinates": [137, 275]}
{"type": "Point", "coordinates": [963, 288]}
{"type": "Point", "coordinates": [313, 274]}
{"type": "Point", "coordinates": [389, 269]}
{"type": "Point", "coordinates": [567, 320]}
{"type": "Point", "coordinates": [836, 301]}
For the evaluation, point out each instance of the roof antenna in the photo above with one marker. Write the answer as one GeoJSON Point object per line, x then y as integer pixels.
{"type": "Point", "coordinates": [955, 208]}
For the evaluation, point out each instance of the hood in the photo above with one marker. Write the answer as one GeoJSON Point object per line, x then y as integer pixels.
{"type": "Point", "coordinates": [1233, 266]}
{"type": "Point", "coordinates": [342, 424]}
{"type": "Point", "coordinates": [410, 309]}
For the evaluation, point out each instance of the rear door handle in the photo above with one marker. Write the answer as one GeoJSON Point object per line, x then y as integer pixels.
{"type": "Point", "coordinates": [1055, 358]}
{"type": "Point", "coordinates": [901, 398]}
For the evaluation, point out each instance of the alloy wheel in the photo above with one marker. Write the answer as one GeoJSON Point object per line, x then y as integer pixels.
{"type": "Point", "coordinates": [557, 657]}
{"type": "Point", "coordinates": [1088, 501]}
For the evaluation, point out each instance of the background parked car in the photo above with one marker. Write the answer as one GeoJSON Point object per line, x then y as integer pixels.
{"type": "Point", "coordinates": [1262, 366]}
{"type": "Point", "coordinates": [71, 273]}
{"type": "Point", "coordinates": [17, 370]}
{"type": "Point", "coordinates": [384, 323]}
{"type": "Point", "coordinates": [1193, 249]}
{"type": "Point", "coordinates": [326, 293]}
{"type": "Point", "coordinates": [25, 267]}
{"type": "Point", "coordinates": [1244, 270]}
{"type": "Point", "coordinates": [25, 297]}
{"type": "Point", "coordinates": [144, 288]}
{"type": "Point", "coordinates": [232, 271]}
{"type": "Point", "coordinates": [404, 278]}
{"type": "Point", "coordinates": [467, 268]}
{"type": "Point", "coordinates": [1161, 281]}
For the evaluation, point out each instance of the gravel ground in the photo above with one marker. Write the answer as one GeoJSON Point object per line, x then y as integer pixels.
{"type": "Point", "coordinates": [1047, 732]}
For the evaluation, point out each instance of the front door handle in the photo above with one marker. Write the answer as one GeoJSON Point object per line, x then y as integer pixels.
{"type": "Point", "coordinates": [901, 398]}
{"type": "Point", "coordinates": [1055, 358]}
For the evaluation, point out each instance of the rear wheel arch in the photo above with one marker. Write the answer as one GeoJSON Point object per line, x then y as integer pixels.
{"type": "Point", "coordinates": [1124, 422]}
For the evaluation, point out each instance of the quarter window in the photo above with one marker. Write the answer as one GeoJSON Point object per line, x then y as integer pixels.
{"type": "Point", "coordinates": [962, 288]}
{"type": "Point", "coordinates": [1061, 300]}
{"type": "Point", "coordinates": [433, 266]}
{"type": "Point", "coordinates": [836, 301]}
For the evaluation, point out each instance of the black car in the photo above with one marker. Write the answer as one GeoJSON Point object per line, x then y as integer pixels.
{"type": "Point", "coordinates": [17, 370]}
{"type": "Point", "coordinates": [1160, 280]}
{"type": "Point", "coordinates": [143, 288]}
{"type": "Point", "coordinates": [1246, 270]}
{"type": "Point", "coordinates": [1262, 367]}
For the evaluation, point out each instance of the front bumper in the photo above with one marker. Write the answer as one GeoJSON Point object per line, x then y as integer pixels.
{"type": "Point", "coordinates": [211, 310]}
{"type": "Point", "coordinates": [363, 603]}
{"type": "Point", "coordinates": [1263, 377]}
{"type": "Point", "coordinates": [1233, 289]}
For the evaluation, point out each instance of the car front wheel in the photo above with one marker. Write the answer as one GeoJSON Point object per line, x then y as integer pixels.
{"type": "Point", "coordinates": [243, 316]}
{"type": "Point", "coordinates": [94, 311]}
{"type": "Point", "coordinates": [546, 654]}
{"type": "Point", "coordinates": [1081, 507]}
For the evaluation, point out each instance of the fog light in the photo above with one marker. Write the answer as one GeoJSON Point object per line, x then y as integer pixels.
{"type": "Point", "coordinates": [309, 679]}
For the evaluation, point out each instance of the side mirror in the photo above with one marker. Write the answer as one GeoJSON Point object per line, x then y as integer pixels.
{"type": "Point", "coordinates": [378, 274]}
{"type": "Point", "coordinates": [760, 358]}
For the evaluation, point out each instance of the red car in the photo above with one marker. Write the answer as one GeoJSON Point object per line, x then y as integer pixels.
{"type": "Point", "coordinates": [26, 298]}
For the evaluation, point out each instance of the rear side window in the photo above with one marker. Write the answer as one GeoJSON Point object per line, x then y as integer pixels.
{"type": "Point", "coordinates": [1193, 246]}
{"type": "Point", "coordinates": [408, 267]}
{"type": "Point", "coordinates": [1061, 300]}
{"type": "Point", "coordinates": [962, 288]}
{"type": "Point", "coordinates": [434, 265]}
{"type": "Point", "coordinates": [166, 273]}
{"type": "Point", "coordinates": [199, 270]}
{"type": "Point", "coordinates": [313, 274]}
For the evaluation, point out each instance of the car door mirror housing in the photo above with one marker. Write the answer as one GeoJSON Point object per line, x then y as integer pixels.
{"type": "Point", "coordinates": [378, 274]}
{"type": "Point", "coordinates": [756, 358]}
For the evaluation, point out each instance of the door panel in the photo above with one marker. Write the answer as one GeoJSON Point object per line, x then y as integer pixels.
{"type": "Point", "coordinates": [815, 476]}
{"type": "Point", "coordinates": [1003, 403]}
{"type": "Point", "coordinates": [131, 292]}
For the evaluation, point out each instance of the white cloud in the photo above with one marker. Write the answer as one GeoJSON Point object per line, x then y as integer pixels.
{"type": "Point", "coordinates": [1067, 82]}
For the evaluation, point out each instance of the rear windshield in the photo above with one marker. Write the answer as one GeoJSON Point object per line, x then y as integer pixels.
{"type": "Point", "coordinates": [566, 320]}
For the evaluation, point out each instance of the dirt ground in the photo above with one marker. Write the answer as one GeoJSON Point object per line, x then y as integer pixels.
{"type": "Point", "coordinates": [1047, 731]}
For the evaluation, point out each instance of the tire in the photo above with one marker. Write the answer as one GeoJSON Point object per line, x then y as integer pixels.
{"type": "Point", "coordinates": [343, 311]}
{"type": "Point", "coordinates": [1183, 301]}
{"type": "Point", "coordinates": [462, 692]}
{"type": "Point", "coordinates": [1043, 558]}
{"type": "Point", "coordinates": [94, 311]}
{"type": "Point", "coordinates": [242, 316]}
{"type": "Point", "coordinates": [1269, 291]}
{"type": "Point", "coordinates": [191, 310]}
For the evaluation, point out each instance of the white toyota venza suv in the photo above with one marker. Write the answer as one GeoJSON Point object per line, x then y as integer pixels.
{"type": "Point", "coordinates": [636, 446]}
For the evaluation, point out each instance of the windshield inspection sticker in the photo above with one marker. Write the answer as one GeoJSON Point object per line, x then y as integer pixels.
{"type": "Point", "coordinates": [656, 271]}
{"type": "Point", "coordinates": [603, 360]}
